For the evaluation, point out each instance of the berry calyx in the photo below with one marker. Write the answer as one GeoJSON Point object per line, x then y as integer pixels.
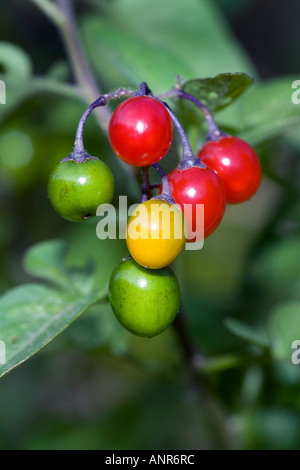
{"type": "Point", "coordinates": [236, 163]}
{"type": "Point", "coordinates": [197, 185]}
{"type": "Point", "coordinates": [76, 189]}
{"type": "Point", "coordinates": [144, 301]}
{"type": "Point", "coordinates": [140, 131]}
{"type": "Point", "coordinates": [156, 233]}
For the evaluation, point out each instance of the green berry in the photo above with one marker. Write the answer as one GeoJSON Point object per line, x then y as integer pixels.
{"type": "Point", "coordinates": [76, 189]}
{"type": "Point", "coordinates": [145, 301]}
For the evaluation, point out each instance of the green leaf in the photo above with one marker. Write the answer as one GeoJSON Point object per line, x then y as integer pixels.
{"type": "Point", "coordinates": [32, 315]}
{"type": "Point", "coordinates": [220, 91]}
{"type": "Point", "coordinates": [124, 61]}
{"type": "Point", "coordinates": [98, 328]}
{"type": "Point", "coordinates": [246, 332]}
{"type": "Point", "coordinates": [154, 41]}
{"type": "Point", "coordinates": [106, 254]}
{"type": "Point", "coordinates": [47, 261]}
{"type": "Point", "coordinates": [284, 329]}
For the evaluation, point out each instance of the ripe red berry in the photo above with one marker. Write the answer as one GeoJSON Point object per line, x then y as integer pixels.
{"type": "Point", "coordinates": [140, 131]}
{"type": "Point", "coordinates": [237, 164]}
{"type": "Point", "coordinates": [194, 186]}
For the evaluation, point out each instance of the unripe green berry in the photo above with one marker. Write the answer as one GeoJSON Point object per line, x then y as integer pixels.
{"type": "Point", "coordinates": [76, 189]}
{"type": "Point", "coordinates": [145, 301]}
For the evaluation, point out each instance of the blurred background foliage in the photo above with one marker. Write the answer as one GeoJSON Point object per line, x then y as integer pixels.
{"type": "Point", "coordinates": [97, 386]}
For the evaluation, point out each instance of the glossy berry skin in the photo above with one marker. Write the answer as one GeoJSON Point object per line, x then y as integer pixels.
{"type": "Point", "coordinates": [76, 189]}
{"type": "Point", "coordinates": [237, 164]}
{"type": "Point", "coordinates": [144, 301]}
{"type": "Point", "coordinates": [140, 131]}
{"type": "Point", "coordinates": [156, 233]}
{"type": "Point", "coordinates": [194, 186]}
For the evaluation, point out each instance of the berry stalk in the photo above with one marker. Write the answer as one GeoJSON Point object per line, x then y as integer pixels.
{"type": "Point", "coordinates": [214, 132]}
{"type": "Point", "coordinates": [166, 193]}
{"type": "Point", "coordinates": [79, 153]}
{"type": "Point", "coordinates": [188, 157]}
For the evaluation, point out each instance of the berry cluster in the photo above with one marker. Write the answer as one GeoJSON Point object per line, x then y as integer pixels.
{"type": "Point", "coordinates": [143, 291]}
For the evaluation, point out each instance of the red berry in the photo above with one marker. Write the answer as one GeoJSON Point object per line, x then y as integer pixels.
{"type": "Point", "coordinates": [194, 186]}
{"type": "Point", "coordinates": [140, 131]}
{"type": "Point", "coordinates": [237, 164]}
